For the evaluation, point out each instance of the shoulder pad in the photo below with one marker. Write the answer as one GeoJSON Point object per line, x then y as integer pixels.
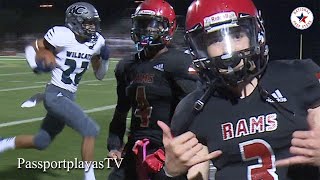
{"type": "Point", "coordinates": [177, 61]}
{"type": "Point", "coordinates": [101, 40]}
{"type": "Point", "coordinates": [59, 36]}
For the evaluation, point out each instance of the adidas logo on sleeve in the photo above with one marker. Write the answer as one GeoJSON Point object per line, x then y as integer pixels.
{"type": "Point", "coordinates": [278, 96]}
{"type": "Point", "coordinates": [159, 67]}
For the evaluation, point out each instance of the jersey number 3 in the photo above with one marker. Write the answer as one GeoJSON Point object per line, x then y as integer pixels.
{"type": "Point", "coordinates": [143, 110]}
{"type": "Point", "coordinates": [262, 151]}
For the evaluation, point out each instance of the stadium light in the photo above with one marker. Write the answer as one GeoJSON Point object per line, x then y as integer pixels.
{"type": "Point", "coordinates": [46, 5]}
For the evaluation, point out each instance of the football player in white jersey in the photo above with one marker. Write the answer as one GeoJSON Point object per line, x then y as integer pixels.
{"type": "Point", "coordinates": [72, 46]}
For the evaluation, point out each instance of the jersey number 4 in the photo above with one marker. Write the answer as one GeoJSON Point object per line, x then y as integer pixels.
{"type": "Point", "coordinates": [143, 110]}
{"type": "Point", "coordinates": [262, 151]}
{"type": "Point", "coordinates": [72, 66]}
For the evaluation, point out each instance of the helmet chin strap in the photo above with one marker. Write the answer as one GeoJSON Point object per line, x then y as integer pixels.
{"type": "Point", "coordinates": [149, 43]}
{"type": "Point", "coordinates": [150, 47]}
{"type": "Point", "coordinates": [81, 39]}
{"type": "Point", "coordinates": [85, 39]}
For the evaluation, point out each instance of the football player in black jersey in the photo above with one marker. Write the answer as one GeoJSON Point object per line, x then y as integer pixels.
{"type": "Point", "coordinates": [247, 110]}
{"type": "Point", "coordinates": [150, 83]}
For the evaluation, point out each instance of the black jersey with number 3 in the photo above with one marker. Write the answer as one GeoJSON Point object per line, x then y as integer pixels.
{"type": "Point", "coordinates": [256, 131]}
{"type": "Point", "coordinates": [152, 88]}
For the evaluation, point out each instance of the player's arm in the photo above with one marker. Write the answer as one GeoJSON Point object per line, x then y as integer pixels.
{"type": "Point", "coordinates": [184, 153]}
{"type": "Point", "coordinates": [117, 125]}
{"type": "Point", "coordinates": [38, 49]}
{"type": "Point", "coordinates": [186, 157]}
{"type": "Point", "coordinates": [100, 63]}
{"type": "Point", "coordinates": [180, 122]}
{"type": "Point", "coordinates": [305, 145]}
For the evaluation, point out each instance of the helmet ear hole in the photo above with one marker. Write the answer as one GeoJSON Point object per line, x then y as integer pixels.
{"type": "Point", "coordinates": [266, 50]}
{"type": "Point", "coordinates": [79, 19]}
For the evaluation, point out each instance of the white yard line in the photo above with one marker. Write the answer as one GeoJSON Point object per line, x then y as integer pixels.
{"type": "Point", "coordinates": [41, 82]}
{"type": "Point", "coordinates": [8, 58]}
{"type": "Point", "coordinates": [93, 84]}
{"type": "Point", "coordinates": [19, 73]}
{"type": "Point", "coordinates": [16, 81]}
{"type": "Point", "coordinates": [13, 123]}
{"type": "Point", "coordinates": [21, 88]}
{"type": "Point", "coordinates": [34, 87]}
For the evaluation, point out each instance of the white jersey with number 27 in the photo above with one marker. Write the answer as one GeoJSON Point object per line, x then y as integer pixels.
{"type": "Point", "coordinates": [73, 58]}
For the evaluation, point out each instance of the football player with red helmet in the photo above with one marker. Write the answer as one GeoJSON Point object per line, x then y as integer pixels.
{"type": "Point", "coordinates": [247, 110]}
{"type": "Point", "coordinates": [150, 83]}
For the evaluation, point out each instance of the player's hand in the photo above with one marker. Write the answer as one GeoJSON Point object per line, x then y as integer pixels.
{"type": "Point", "coordinates": [182, 151]}
{"type": "Point", "coordinates": [305, 144]}
{"type": "Point", "coordinates": [45, 58]}
{"type": "Point", "coordinates": [114, 154]}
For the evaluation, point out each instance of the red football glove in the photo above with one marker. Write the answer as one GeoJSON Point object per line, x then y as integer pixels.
{"type": "Point", "coordinates": [154, 162]}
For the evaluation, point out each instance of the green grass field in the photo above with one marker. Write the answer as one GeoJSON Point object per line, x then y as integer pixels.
{"type": "Point", "coordinates": [17, 83]}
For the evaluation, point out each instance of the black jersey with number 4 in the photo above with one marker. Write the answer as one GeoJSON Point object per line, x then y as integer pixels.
{"type": "Point", "coordinates": [152, 88]}
{"type": "Point", "coordinates": [256, 131]}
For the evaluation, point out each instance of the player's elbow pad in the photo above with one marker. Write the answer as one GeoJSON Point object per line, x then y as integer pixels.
{"type": "Point", "coordinates": [104, 53]}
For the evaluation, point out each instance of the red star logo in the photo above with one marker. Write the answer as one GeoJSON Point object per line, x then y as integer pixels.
{"type": "Point", "coordinates": [304, 19]}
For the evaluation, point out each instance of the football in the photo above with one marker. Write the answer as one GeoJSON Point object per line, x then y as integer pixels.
{"type": "Point", "coordinates": [45, 59]}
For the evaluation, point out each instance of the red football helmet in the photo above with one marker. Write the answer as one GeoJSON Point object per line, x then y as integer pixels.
{"type": "Point", "coordinates": [153, 23]}
{"type": "Point", "coordinates": [225, 22]}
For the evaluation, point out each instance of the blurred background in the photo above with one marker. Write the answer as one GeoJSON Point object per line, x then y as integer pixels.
{"type": "Point", "coordinates": [24, 20]}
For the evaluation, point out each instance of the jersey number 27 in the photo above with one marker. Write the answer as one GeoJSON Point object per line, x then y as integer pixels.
{"type": "Point", "coordinates": [72, 66]}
